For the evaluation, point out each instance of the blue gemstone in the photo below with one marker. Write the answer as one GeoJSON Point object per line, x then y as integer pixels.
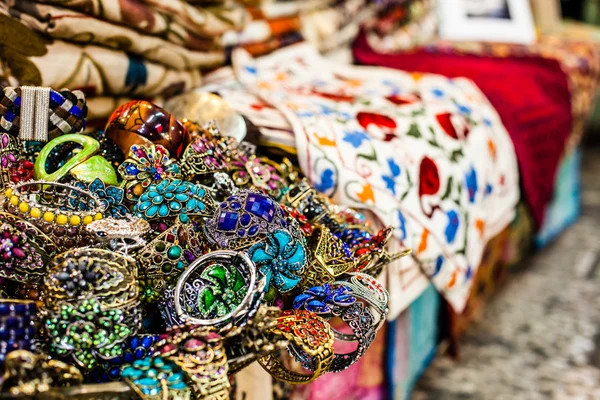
{"type": "Point", "coordinates": [116, 361]}
{"type": "Point", "coordinates": [227, 221]}
{"type": "Point", "coordinates": [128, 358]}
{"type": "Point", "coordinates": [4, 309]}
{"type": "Point", "coordinates": [139, 353]}
{"type": "Point", "coordinates": [261, 206]}
{"type": "Point", "coordinates": [131, 170]}
{"type": "Point", "coordinates": [12, 322]}
{"type": "Point", "coordinates": [134, 342]}
{"type": "Point", "coordinates": [114, 373]}
{"type": "Point", "coordinates": [253, 230]}
{"type": "Point", "coordinates": [241, 233]}
{"type": "Point", "coordinates": [245, 219]}
{"type": "Point", "coordinates": [235, 205]}
{"type": "Point", "coordinates": [147, 341]}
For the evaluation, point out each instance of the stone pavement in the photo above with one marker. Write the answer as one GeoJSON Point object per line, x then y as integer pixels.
{"type": "Point", "coordinates": [539, 337]}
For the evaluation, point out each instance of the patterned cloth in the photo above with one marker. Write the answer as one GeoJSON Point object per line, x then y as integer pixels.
{"type": "Point", "coordinates": [65, 24]}
{"type": "Point", "coordinates": [537, 116]}
{"type": "Point", "coordinates": [424, 153]}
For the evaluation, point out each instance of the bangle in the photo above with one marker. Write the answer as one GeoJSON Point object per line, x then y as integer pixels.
{"type": "Point", "coordinates": [339, 300]}
{"type": "Point", "coordinates": [24, 250]}
{"type": "Point", "coordinates": [17, 327]}
{"type": "Point", "coordinates": [311, 343]}
{"type": "Point", "coordinates": [57, 209]}
{"type": "Point", "coordinates": [255, 340]}
{"type": "Point", "coordinates": [83, 273]}
{"type": "Point", "coordinates": [55, 113]}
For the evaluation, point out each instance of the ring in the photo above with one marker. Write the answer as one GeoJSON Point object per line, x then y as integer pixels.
{"type": "Point", "coordinates": [83, 273]}
{"type": "Point", "coordinates": [208, 153]}
{"type": "Point", "coordinates": [311, 343]}
{"type": "Point", "coordinates": [11, 153]}
{"type": "Point", "coordinates": [199, 352]}
{"type": "Point", "coordinates": [171, 198]}
{"type": "Point", "coordinates": [84, 165]}
{"type": "Point", "coordinates": [59, 210]}
{"type": "Point", "coordinates": [244, 345]}
{"type": "Point", "coordinates": [146, 164]}
{"type": "Point", "coordinates": [24, 250]}
{"type": "Point", "coordinates": [331, 258]}
{"type": "Point", "coordinates": [166, 257]}
{"type": "Point", "coordinates": [17, 327]}
{"type": "Point", "coordinates": [244, 219]}
{"type": "Point", "coordinates": [217, 289]}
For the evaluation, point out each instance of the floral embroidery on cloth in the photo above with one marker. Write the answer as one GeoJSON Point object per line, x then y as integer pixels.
{"type": "Point", "coordinates": [424, 153]}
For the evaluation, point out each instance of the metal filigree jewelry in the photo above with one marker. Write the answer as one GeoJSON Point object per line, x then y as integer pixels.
{"type": "Point", "coordinates": [311, 342]}
{"type": "Point", "coordinates": [218, 288]}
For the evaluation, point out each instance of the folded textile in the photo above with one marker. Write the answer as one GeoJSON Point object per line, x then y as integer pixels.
{"type": "Point", "coordinates": [425, 154]}
{"type": "Point", "coordinates": [61, 23]}
{"type": "Point", "coordinates": [100, 71]}
{"type": "Point", "coordinates": [531, 95]}
{"type": "Point", "coordinates": [153, 21]}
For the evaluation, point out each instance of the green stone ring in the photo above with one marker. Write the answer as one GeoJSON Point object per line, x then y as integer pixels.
{"type": "Point", "coordinates": [218, 288]}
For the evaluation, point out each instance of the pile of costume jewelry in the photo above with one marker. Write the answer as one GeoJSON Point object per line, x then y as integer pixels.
{"type": "Point", "coordinates": [166, 257]}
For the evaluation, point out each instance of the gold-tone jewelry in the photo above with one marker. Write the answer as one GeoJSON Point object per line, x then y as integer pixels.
{"type": "Point", "coordinates": [311, 343]}
{"type": "Point", "coordinates": [199, 352]}
{"type": "Point", "coordinates": [27, 374]}
{"type": "Point", "coordinates": [256, 339]}
{"type": "Point", "coordinates": [57, 209]}
{"type": "Point", "coordinates": [331, 258]}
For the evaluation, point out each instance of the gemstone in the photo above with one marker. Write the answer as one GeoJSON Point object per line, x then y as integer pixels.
{"type": "Point", "coordinates": [253, 230]}
{"type": "Point", "coordinates": [174, 252]}
{"type": "Point", "coordinates": [227, 221]}
{"type": "Point", "coordinates": [245, 219]}
{"type": "Point", "coordinates": [261, 206]}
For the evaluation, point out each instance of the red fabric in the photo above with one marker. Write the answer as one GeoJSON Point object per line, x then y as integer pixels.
{"type": "Point", "coordinates": [531, 95]}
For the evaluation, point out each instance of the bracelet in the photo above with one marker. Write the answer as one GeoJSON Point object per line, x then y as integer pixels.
{"type": "Point", "coordinates": [311, 342]}
{"type": "Point", "coordinates": [49, 113]}
{"type": "Point", "coordinates": [338, 300]}
{"type": "Point", "coordinates": [57, 209]}
{"type": "Point", "coordinates": [255, 340]}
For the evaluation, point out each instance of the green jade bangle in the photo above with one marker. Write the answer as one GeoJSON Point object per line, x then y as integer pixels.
{"type": "Point", "coordinates": [84, 165]}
